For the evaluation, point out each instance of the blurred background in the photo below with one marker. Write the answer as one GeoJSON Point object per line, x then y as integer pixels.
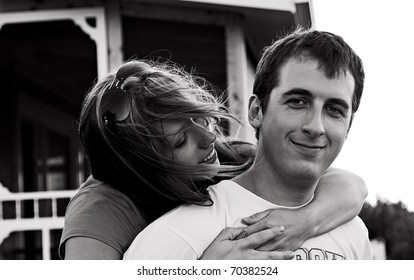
{"type": "Point", "coordinates": [51, 52]}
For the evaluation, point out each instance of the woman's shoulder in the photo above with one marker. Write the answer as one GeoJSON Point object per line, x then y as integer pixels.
{"type": "Point", "coordinates": [94, 192]}
{"type": "Point", "coordinates": [98, 189]}
{"type": "Point", "coordinates": [100, 212]}
{"type": "Point", "coordinates": [96, 198]}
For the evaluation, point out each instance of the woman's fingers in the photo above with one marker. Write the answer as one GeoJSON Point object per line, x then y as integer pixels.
{"type": "Point", "coordinates": [225, 246]}
{"type": "Point", "coordinates": [229, 233]}
{"type": "Point", "coordinates": [256, 239]}
{"type": "Point", "coordinates": [273, 255]}
{"type": "Point", "coordinates": [256, 217]}
{"type": "Point", "coordinates": [257, 226]}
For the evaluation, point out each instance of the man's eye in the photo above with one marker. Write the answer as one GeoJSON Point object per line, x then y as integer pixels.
{"type": "Point", "coordinates": [335, 111]}
{"type": "Point", "coordinates": [296, 102]}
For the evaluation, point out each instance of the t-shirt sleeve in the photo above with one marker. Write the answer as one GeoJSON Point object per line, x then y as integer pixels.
{"type": "Point", "coordinates": [367, 251]}
{"type": "Point", "coordinates": [100, 212]}
{"type": "Point", "coordinates": [360, 236]}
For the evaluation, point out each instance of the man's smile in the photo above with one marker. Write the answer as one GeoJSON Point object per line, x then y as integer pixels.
{"type": "Point", "coordinates": [308, 149]}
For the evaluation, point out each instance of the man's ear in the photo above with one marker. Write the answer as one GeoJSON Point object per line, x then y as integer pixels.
{"type": "Point", "coordinates": [255, 112]}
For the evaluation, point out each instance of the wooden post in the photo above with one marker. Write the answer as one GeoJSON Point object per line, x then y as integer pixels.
{"type": "Point", "coordinates": [239, 90]}
{"type": "Point", "coordinates": [114, 24]}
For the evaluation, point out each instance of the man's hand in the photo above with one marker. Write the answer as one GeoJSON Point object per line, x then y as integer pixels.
{"type": "Point", "coordinates": [226, 247]}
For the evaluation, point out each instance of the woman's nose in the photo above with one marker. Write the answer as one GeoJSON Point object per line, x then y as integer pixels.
{"type": "Point", "coordinates": [204, 136]}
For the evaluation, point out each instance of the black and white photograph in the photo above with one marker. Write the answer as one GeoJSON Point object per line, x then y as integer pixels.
{"type": "Point", "coordinates": [207, 130]}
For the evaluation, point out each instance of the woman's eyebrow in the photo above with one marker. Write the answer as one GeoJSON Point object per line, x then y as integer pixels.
{"type": "Point", "coordinates": [172, 134]}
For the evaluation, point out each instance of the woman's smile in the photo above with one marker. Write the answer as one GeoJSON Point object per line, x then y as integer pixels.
{"type": "Point", "coordinates": [211, 157]}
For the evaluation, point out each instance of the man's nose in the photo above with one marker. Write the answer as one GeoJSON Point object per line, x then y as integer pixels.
{"type": "Point", "coordinates": [314, 125]}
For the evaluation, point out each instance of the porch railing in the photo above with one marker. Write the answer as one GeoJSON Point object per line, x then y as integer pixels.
{"type": "Point", "coordinates": [20, 223]}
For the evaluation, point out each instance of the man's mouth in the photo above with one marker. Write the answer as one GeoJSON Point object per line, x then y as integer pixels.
{"type": "Point", "coordinates": [309, 146]}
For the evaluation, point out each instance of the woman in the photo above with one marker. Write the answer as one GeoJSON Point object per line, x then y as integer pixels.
{"type": "Point", "coordinates": [151, 134]}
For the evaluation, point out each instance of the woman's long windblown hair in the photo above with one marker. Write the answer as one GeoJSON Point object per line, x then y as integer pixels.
{"type": "Point", "coordinates": [131, 155]}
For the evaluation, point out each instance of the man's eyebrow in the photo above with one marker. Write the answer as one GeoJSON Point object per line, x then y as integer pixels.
{"type": "Point", "coordinates": [297, 91]}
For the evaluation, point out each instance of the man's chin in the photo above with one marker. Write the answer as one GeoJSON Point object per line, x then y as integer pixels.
{"type": "Point", "coordinates": [306, 173]}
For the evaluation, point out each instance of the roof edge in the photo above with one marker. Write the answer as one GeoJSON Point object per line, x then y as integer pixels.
{"type": "Point", "coordinates": [279, 5]}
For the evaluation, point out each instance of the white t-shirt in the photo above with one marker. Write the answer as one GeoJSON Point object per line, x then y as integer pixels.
{"type": "Point", "coordinates": [186, 231]}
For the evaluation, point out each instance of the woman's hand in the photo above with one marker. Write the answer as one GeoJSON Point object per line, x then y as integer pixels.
{"type": "Point", "coordinates": [298, 228]}
{"type": "Point", "coordinates": [225, 246]}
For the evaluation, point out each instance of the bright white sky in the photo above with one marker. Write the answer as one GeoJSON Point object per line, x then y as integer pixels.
{"type": "Point", "coordinates": [380, 146]}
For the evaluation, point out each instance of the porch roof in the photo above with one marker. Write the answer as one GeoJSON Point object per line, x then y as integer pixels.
{"type": "Point", "coordinates": [264, 19]}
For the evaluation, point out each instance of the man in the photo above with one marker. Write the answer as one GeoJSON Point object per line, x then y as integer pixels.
{"type": "Point", "coordinates": [307, 88]}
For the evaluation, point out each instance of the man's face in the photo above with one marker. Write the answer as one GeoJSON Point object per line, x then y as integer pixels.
{"type": "Point", "coordinates": [306, 120]}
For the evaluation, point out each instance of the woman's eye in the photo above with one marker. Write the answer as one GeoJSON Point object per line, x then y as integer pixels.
{"type": "Point", "coordinates": [182, 141]}
{"type": "Point", "coordinates": [202, 121]}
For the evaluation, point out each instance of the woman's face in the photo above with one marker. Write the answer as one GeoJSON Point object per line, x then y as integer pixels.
{"type": "Point", "coordinates": [192, 142]}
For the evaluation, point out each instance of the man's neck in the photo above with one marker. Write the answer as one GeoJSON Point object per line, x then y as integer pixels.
{"type": "Point", "coordinates": [286, 190]}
